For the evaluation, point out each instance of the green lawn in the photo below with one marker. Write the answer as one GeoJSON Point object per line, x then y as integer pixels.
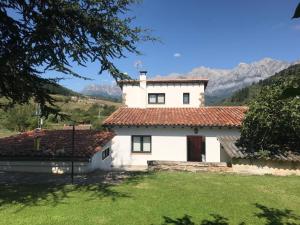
{"type": "Point", "coordinates": [158, 198]}
{"type": "Point", "coordinates": [6, 133]}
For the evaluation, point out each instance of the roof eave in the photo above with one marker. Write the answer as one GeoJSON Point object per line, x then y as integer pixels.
{"type": "Point", "coordinates": [170, 125]}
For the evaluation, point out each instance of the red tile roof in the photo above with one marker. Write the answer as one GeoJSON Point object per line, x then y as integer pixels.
{"type": "Point", "coordinates": [160, 81]}
{"type": "Point", "coordinates": [54, 144]}
{"type": "Point", "coordinates": [202, 116]}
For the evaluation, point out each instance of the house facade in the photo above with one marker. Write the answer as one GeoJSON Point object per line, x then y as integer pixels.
{"type": "Point", "coordinates": [168, 120]}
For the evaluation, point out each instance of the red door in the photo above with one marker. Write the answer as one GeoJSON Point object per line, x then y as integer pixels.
{"type": "Point", "coordinates": [194, 148]}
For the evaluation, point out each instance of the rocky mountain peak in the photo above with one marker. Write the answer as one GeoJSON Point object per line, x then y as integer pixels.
{"type": "Point", "coordinates": [222, 82]}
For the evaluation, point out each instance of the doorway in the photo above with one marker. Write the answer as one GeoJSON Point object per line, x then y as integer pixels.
{"type": "Point", "coordinates": [195, 148]}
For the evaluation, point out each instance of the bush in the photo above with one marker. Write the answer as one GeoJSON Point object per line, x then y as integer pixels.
{"type": "Point", "coordinates": [20, 118]}
{"type": "Point", "coordinates": [272, 124]}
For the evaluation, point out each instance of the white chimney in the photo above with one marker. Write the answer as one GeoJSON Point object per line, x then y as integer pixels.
{"type": "Point", "coordinates": [143, 75]}
{"type": "Point", "coordinates": [143, 79]}
{"type": "Point", "coordinates": [143, 89]}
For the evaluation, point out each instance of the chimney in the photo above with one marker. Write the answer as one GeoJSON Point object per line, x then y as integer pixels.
{"type": "Point", "coordinates": [143, 79]}
{"type": "Point", "coordinates": [143, 75]}
{"type": "Point", "coordinates": [143, 88]}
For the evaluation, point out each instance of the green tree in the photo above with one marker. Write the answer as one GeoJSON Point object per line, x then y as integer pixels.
{"type": "Point", "coordinates": [272, 124]}
{"type": "Point", "coordinates": [39, 36]}
{"type": "Point", "coordinates": [108, 110]}
{"type": "Point", "coordinates": [20, 118]}
{"type": "Point", "coordinates": [297, 12]}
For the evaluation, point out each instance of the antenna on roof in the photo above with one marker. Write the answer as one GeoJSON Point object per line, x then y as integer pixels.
{"type": "Point", "coordinates": [138, 65]}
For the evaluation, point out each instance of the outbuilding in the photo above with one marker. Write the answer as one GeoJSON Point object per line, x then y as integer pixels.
{"type": "Point", "coordinates": [50, 151]}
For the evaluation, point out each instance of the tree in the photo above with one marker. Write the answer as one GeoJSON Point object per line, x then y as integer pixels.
{"type": "Point", "coordinates": [297, 12]}
{"type": "Point", "coordinates": [20, 118]}
{"type": "Point", "coordinates": [272, 123]}
{"type": "Point", "coordinates": [39, 36]}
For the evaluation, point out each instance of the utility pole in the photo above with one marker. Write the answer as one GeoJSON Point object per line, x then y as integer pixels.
{"type": "Point", "coordinates": [73, 146]}
{"type": "Point", "coordinates": [38, 113]}
{"type": "Point", "coordinates": [99, 112]}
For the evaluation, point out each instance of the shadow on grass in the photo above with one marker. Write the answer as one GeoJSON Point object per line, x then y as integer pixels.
{"type": "Point", "coordinates": [277, 216]}
{"type": "Point", "coordinates": [187, 220]}
{"type": "Point", "coordinates": [52, 194]}
{"type": "Point", "coordinates": [271, 216]}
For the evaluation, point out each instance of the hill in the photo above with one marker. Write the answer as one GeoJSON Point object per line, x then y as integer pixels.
{"type": "Point", "coordinates": [77, 107]}
{"type": "Point", "coordinates": [246, 94]}
{"type": "Point", "coordinates": [60, 90]}
{"type": "Point", "coordinates": [63, 94]}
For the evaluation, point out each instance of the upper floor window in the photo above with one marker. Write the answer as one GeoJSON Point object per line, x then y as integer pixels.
{"type": "Point", "coordinates": [156, 98]}
{"type": "Point", "coordinates": [186, 98]}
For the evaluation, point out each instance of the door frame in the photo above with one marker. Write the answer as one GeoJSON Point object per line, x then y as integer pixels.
{"type": "Point", "coordinates": [187, 147]}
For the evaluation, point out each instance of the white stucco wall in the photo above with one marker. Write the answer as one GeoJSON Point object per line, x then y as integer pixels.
{"type": "Point", "coordinates": [45, 167]}
{"type": "Point", "coordinates": [98, 163]}
{"type": "Point", "coordinates": [167, 144]}
{"type": "Point", "coordinates": [137, 95]}
{"type": "Point", "coordinates": [59, 167]}
{"type": "Point", "coordinates": [134, 96]}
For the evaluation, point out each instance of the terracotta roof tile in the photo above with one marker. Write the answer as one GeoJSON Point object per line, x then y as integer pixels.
{"type": "Point", "coordinates": [54, 144]}
{"type": "Point", "coordinates": [202, 116]}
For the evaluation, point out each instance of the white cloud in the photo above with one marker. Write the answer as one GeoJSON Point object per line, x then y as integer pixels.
{"type": "Point", "coordinates": [177, 55]}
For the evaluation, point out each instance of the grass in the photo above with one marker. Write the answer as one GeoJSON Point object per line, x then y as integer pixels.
{"type": "Point", "coordinates": [83, 103]}
{"type": "Point", "coordinates": [6, 133]}
{"type": "Point", "coordinates": [159, 198]}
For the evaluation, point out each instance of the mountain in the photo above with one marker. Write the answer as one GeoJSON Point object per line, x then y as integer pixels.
{"type": "Point", "coordinates": [223, 82]}
{"type": "Point", "coordinates": [109, 92]}
{"type": "Point", "coordinates": [246, 94]}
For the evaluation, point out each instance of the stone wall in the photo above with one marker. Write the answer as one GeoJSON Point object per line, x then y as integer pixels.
{"type": "Point", "coordinates": [262, 167]}
{"type": "Point", "coordinates": [240, 166]}
{"type": "Point", "coordinates": [188, 166]}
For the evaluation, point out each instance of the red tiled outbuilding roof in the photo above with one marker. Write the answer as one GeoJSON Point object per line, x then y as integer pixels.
{"type": "Point", "coordinates": [218, 116]}
{"type": "Point", "coordinates": [54, 144]}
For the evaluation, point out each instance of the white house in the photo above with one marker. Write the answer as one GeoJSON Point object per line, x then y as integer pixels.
{"type": "Point", "coordinates": [168, 120]}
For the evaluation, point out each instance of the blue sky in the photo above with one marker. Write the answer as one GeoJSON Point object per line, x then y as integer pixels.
{"type": "Point", "coordinates": [211, 33]}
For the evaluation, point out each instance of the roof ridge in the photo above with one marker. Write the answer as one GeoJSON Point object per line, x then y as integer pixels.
{"type": "Point", "coordinates": [202, 107]}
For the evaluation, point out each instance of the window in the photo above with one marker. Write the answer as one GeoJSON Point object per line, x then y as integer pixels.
{"type": "Point", "coordinates": [186, 98]}
{"type": "Point", "coordinates": [141, 144]}
{"type": "Point", "coordinates": [105, 153]}
{"type": "Point", "coordinates": [156, 98]}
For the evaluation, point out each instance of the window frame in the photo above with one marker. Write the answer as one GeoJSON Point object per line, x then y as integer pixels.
{"type": "Point", "coordinates": [104, 154]}
{"type": "Point", "coordinates": [156, 98]}
{"type": "Point", "coordinates": [183, 95]}
{"type": "Point", "coordinates": [141, 144]}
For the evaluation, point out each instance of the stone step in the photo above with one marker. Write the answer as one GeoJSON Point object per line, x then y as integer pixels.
{"type": "Point", "coordinates": [188, 166]}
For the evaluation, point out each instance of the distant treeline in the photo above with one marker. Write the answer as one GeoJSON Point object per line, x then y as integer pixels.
{"type": "Point", "coordinates": [106, 97]}
{"type": "Point", "coordinates": [57, 89]}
